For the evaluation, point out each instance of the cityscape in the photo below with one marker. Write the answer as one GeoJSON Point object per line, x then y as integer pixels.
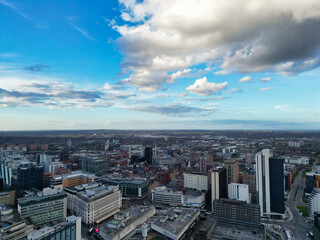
{"type": "Point", "coordinates": [159, 120]}
{"type": "Point", "coordinates": [186, 184]}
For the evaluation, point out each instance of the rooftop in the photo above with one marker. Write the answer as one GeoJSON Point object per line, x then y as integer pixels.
{"type": "Point", "coordinates": [92, 191]}
{"type": "Point", "coordinates": [236, 231]}
{"type": "Point", "coordinates": [175, 219]}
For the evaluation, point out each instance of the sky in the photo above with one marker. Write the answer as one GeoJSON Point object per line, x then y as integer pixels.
{"type": "Point", "coordinates": [159, 64]}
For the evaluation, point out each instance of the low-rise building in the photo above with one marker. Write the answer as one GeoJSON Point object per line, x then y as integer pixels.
{"type": "Point", "coordinates": [94, 202]}
{"type": "Point", "coordinates": [72, 179]}
{"type": "Point", "coordinates": [130, 187]}
{"type": "Point", "coordinates": [175, 222]}
{"type": "Point", "coordinates": [70, 229]}
{"type": "Point", "coordinates": [163, 195]}
{"type": "Point", "coordinates": [186, 198]}
{"type": "Point", "coordinates": [125, 223]}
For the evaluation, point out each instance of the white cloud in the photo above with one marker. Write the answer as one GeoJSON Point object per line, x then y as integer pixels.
{"type": "Point", "coordinates": [245, 79]}
{"type": "Point", "coordinates": [179, 74]}
{"type": "Point", "coordinates": [282, 107]}
{"type": "Point", "coordinates": [205, 88]}
{"type": "Point", "coordinates": [267, 79]}
{"type": "Point", "coordinates": [164, 36]}
{"type": "Point", "coordinates": [232, 90]}
{"type": "Point", "coordinates": [265, 89]}
{"type": "Point", "coordinates": [181, 95]}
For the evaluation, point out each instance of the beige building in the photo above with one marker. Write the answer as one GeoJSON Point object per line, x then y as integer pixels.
{"type": "Point", "coordinates": [232, 167]}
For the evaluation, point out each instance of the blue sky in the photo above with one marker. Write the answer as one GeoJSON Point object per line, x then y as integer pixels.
{"type": "Point", "coordinates": [155, 64]}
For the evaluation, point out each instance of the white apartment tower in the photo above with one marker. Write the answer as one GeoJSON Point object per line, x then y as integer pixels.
{"type": "Point", "coordinates": [314, 202]}
{"type": "Point", "coordinates": [195, 181]}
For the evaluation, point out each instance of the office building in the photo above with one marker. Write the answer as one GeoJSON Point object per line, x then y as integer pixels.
{"type": "Point", "coordinates": [236, 210]}
{"type": "Point", "coordinates": [239, 192]}
{"type": "Point", "coordinates": [232, 168]}
{"type": "Point", "coordinates": [70, 229]}
{"type": "Point", "coordinates": [30, 175]}
{"type": "Point", "coordinates": [163, 195]}
{"type": "Point", "coordinates": [314, 202]}
{"type": "Point", "coordinates": [148, 155]}
{"type": "Point", "coordinates": [203, 165]}
{"type": "Point", "coordinates": [94, 165]}
{"type": "Point", "coordinates": [270, 183]}
{"type": "Point", "coordinates": [195, 181]}
{"type": "Point", "coordinates": [44, 207]}
{"type": "Point", "coordinates": [125, 223]}
{"type": "Point", "coordinates": [94, 202]}
{"type": "Point", "coordinates": [249, 178]}
{"type": "Point", "coordinates": [41, 158]}
{"type": "Point", "coordinates": [72, 179]}
{"type": "Point", "coordinates": [219, 187]}
{"type": "Point", "coordinates": [175, 222]}
{"type": "Point", "coordinates": [130, 187]}
{"type": "Point", "coordinates": [9, 163]}
{"type": "Point", "coordinates": [312, 181]}
{"type": "Point", "coordinates": [51, 166]}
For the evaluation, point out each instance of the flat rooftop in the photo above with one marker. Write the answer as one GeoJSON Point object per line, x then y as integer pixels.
{"type": "Point", "coordinates": [135, 212]}
{"type": "Point", "coordinates": [236, 231]}
{"type": "Point", "coordinates": [124, 180]}
{"type": "Point", "coordinates": [175, 219]}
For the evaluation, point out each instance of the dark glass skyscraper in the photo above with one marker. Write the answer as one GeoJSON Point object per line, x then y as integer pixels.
{"type": "Point", "coordinates": [148, 154]}
{"type": "Point", "coordinates": [30, 176]}
{"type": "Point", "coordinates": [276, 174]}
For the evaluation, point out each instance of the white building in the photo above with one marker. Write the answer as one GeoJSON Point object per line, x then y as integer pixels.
{"type": "Point", "coordinates": [190, 198]}
{"type": "Point", "coordinates": [195, 181]}
{"type": "Point", "coordinates": [239, 192]}
{"type": "Point", "coordinates": [314, 202]}
{"type": "Point", "coordinates": [94, 202]}
{"type": "Point", "coordinates": [297, 160]}
{"type": "Point", "coordinates": [51, 166]}
{"type": "Point", "coordinates": [164, 196]}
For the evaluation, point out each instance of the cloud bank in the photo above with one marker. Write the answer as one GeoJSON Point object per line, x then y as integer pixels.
{"type": "Point", "coordinates": [160, 37]}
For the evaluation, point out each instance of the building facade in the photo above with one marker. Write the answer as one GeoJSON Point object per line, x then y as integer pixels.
{"type": "Point", "coordinates": [94, 165]}
{"type": "Point", "coordinates": [270, 183]}
{"type": "Point", "coordinates": [70, 229]}
{"type": "Point", "coordinates": [94, 202]}
{"type": "Point", "coordinates": [236, 210]}
{"type": "Point", "coordinates": [195, 181]}
{"type": "Point", "coordinates": [44, 207]}
{"type": "Point", "coordinates": [219, 187]}
{"type": "Point", "coordinates": [232, 168]}
{"type": "Point", "coordinates": [130, 187]}
{"type": "Point", "coordinates": [30, 176]}
{"type": "Point", "coordinates": [249, 178]}
{"type": "Point", "coordinates": [239, 192]}
{"type": "Point", "coordinates": [314, 202]}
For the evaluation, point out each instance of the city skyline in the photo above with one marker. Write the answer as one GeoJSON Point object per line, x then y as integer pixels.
{"type": "Point", "coordinates": [159, 65]}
